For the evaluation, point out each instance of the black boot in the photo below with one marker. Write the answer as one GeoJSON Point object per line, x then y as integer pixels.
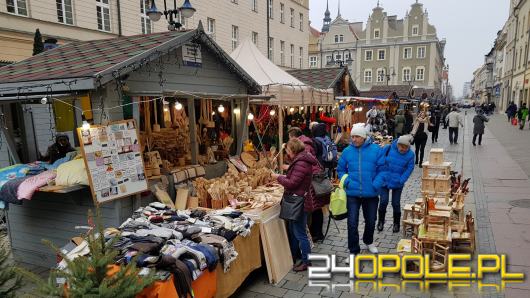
{"type": "Point", "coordinates": [397, 221]}
{"type": "Point", "coordinates": [381, 221]}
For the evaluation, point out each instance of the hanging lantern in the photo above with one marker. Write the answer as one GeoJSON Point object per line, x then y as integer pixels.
{"type": "Point", "coordinates": [178, 106]}
{"type": "Point", "coordinates": [221, 109]}
{"type": "Point", "coordinates": [250, 116]}
{"type": "Point", "coordinates": [272, 112]}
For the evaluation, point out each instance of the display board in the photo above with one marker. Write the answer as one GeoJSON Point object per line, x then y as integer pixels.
{"type": "Point", "coordinates": [113, 160]}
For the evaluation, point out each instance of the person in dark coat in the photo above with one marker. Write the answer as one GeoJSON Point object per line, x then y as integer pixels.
{"type": "Point", "coordinates": [511, 111]}
{"type": "Point", "coordinates": [435, 120]}
{"type": "Point", "coordinates": [59, 149]}
{"type": "Point", "coordinates": [409, 121]}
{"type": "Point", "coordinates": [298, 182]}
{"type": "Point", "coordinates": [397, 163]}
{"type": "Point", "coordinates": [478, 127]}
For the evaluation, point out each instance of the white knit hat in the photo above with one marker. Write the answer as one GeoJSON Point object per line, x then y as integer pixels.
{"type": "Point", "coordinates": [405, 140]}
{"type": "Point", "coordinates": [359, 130]}
{"type": "Point", "coordinates": [312, 124]}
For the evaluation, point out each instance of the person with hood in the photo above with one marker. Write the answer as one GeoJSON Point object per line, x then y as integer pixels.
{"type": "Point", "coordinates": [359, 161]}
{"type": "Point", "coordinates": [454, 120]}
{"type": "Point", "coordinates": [399, 124]}
{"type": "Point", "coordinates": [522, 114]}
{"type": "Point", "coordinates": [297, 182]}
{"type": "Point", "coordinates": [478, 127]}
{"type": "Point", "coordinates": [59, 149]}
{"type": "Point", "coordinates": [397, 163]}
{"type": "Point", "coordinates": [420, 136]}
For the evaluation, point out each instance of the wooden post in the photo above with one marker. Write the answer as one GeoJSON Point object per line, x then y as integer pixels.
{"type": "Point", "coordinates": [242, 126]}
{"type": "Point", "coordinates": [280, 131]}
{"type": "Point", "coordinates": [193, 130]}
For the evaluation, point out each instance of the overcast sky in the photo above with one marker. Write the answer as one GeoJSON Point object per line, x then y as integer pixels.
{"type": "Point", "coordinates": [470, 27]}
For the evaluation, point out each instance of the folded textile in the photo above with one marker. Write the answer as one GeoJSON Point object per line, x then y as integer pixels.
{"type": "Point", "coordinates": [193, 268]}
{"type": "Point", "coordinates": [227, 234]}
{"type": "Point", "coordinates": [12, 172]}
{"type": "Point", "coordinates": [207, 250]}
{"type": "Point", "coordinates": [177, 250]}
{"type": "Point", "coordinates": [8, 192]}
{"type": "Point", "coordinates": [147, 261]}
{"type": "Point", "coordinates": [145, 247]}
{"type": "Point", "coordinates": [159, 232]}
{"type": "Point", "coordinates": [228, 252]}
{"type": "Point", "coordinates": [30, 185]}
{"type": "Point", "coordinates": [71, 173]}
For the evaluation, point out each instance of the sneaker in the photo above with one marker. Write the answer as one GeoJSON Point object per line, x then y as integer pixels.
{"type": "Point", "coordinates": [474, 144]}
{"type": "Point", "coordinates": [373, 249]}
{"type": "Point", "coordinates": [301, 267]}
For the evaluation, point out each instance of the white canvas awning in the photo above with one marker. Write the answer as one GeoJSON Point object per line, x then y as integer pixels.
{"type": "Point", "coordinates": [287, 89]}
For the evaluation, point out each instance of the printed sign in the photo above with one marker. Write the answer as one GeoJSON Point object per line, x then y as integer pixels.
{"type": "Point", "coordinates": [191, 55]}
{"type": "Point", "coordinates": [113, 159]}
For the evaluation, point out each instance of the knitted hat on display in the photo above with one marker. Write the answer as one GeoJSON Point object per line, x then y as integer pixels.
{"type": "Point", "coordinates": [405, 140]}
{"type": "Point", "coordinates": [359, 130]}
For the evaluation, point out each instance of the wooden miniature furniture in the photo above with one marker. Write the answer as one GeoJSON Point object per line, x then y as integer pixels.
{"type": "Point", "coordinates": [464, 240]}
{"type": "Point", "coordinates": [436, 227]}
{"type": "Point", "coordinates": [439, 254]}
{"type": "Point", "coordinates": [436, 156]}
{"type": "Point", "coordinates": [458, 207]}
{"type": "Point", "coordinates": [443, 169]}
{"type": "Point", "coordinates": [411, 219]}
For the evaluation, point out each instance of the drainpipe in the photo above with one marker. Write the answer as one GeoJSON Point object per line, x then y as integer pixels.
{"type": "Point", "coordinates": [119, 17]}
{"type": "Point", "coordinates": [268, 29]}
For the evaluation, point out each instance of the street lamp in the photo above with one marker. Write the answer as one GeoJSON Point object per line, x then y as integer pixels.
{"type": "Point", "coordinates": [386, 75]}
{"type": "Point", "coordinates": [186, 11]}
{"type": "Point", "coordinates": [340, 61]}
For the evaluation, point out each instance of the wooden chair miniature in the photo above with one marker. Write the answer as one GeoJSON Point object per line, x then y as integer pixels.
{"type": "Point", "coordinates": [411, 219]}
{"type": "Point", "coordinates": [458, 207]}
{"type": "Point", "coordinates": [436, 226]}
{"type": "Point", "coordinates": [464, 240]}
{"type": "Point", "coordinates": [439, 255]}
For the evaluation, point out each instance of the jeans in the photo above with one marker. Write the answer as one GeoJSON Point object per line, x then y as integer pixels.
{"type": "Point", "coordinates": [369, 206]}
{"type": "Point", "coordinates": [419, 145]}
{"type": "Point", "coordinates": [298, 240]}
{"type": "Point", "coordinates": [396, 198]}
{"type": "Point", "coordinates": [453, 135]}
{"type": "Point", "coordinates": [479, 139]}
{"type": "Point", "coordinates": [434, 135]}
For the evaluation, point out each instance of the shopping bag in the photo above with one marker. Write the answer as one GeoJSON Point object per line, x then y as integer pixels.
{"type": "Point", "coordinates": [514, 121]}
{"type": "Point", "coordinates": [338, 208]}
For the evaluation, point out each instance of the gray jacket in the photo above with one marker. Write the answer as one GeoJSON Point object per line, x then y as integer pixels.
{"type": "Point", "coordinates": [454, 119]}
{"type": "Point", "coordinates": [478, 124]}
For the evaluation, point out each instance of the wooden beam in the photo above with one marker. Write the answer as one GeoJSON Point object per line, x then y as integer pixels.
{"type": "Point", "coordinates": [193, 130]}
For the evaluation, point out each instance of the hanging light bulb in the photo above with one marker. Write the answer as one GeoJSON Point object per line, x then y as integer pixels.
{"type": "Point", "coordinates": [221, 109]}
{"type": "Point", "coordinates": [360, 109]}
{"type": "Point", "coordinates": [44, 100]}
{"type": "Point", "coordinates": [250, 116]}
{"type": "Point", "coordinates": [291, 110]}
{"type": "Point", "coordinates": [237, 111]}
{"type": "Point", "coordinates": [301, 108]}
{"type": "Point", "coordinates": [85, 125]}
{"type": "Point", "coordinates": [178, 106]}
{"type": "Point", "coordinates": [213, 113]}
{"type": "Point", "coordinates": [341, 101]}
{"type": "Point", "coordinates": [166, 109]}
{"type": "Point", "coordinates": [321, 109]}
{"type": "Point", "coordinates": [272, 112]}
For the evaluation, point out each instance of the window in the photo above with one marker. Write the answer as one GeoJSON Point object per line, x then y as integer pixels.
{"type": "Point", "coordinates": [381, 75]}
{"type": "Point", "coordinates": [420, 73]}
{"type": "Point", "coordinates": [381, 54]}
{"type": "Point", "coordinates": [146, 22]}
{"type": "Point", "coordinates": [271, 49]}
{"type": "Point", "coordinates": [282, 53]}
{"type": "Point", "coordinates": [64, 12]}
{"type": "Point", "coordinates": [328, 58]}
{"type": "Point", "coordinates": [271, 9]}
{"type": "Point", "coordinates": [338, 57]}
{"type": "Point", "coordinates": [292, 55]}
{"type": "Point", "coordinates": [415, 30]}
{"type": "Point", "coordinates": [235, 37]}
{"type": "Point", "coordinates": [301, 22]}
{"type": "Point", "coordinates": [234, 1]}
{"type": "Point", "coordinates": [339, 38]}
{"type": "Point", "coordinates": [368, 76]}
{"type": "Point", "coordinates": [254, 5]}
{"type": "Point", "coordinates": [292, 17]}
{"type": "Point", "coordinates": [421, 52]}
{"type": "Point", "coordinates": [255, 37]}
{"type": "Point", "coordinates": [282, 13]}
{"type": "Point", "coordinates": [17, 7]}
{"type": "Point", "coordinates": [210, 26]}
{"type": "Point", "coordinates": [313, 62]}
{"type": "Point", "coordinates": [406, 74]}
{"type": "Point", "coordinates": [377, 33]}
{"type": "Point", "coordinates": [301, 59]}
{"type": "Point", "coordinates": [368, 55]}
{"type": "Point", "coordinates": [347, 56]}
{"type": "Point", "coordinates": [103, 14]}
{"type": "Point", "coordinates": [407, 53]}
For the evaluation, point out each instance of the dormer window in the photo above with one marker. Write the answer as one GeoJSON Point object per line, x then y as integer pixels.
{"type": "Point", "coordinates": [415, 30]}
{"type": "Point", "coordinates": [377, 33]}
{"type": "Point", "coordinates": [339, 38]}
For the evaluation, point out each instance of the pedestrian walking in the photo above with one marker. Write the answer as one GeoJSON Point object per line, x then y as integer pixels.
{"type": "Point", "coordinates": [478, 127]}
{"type": "Point", "coordinates": [434, 123]}
{"type": "Point", "coordinates": [420, 137]}
{"type": "Point", "coordinates": [409, 121]}
{"type": "Point", "coordinates": [511, 110]}
{"type": "Point", "coordinates": [444, 115]}
{"type": "Point", "coordinates": [359, 160]}
{"type": "Point", "coordinates": [397, 163]}
{"type": "Point", "coordinates": [399, 123]}
{"type": "Point", "coordinates": [454, 120]}
{"type": "Point", "coordinates": [522, 114]}
{"type": "Point", "coordinates": [297, 182]}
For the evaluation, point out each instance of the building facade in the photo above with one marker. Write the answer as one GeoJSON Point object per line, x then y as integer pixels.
{"type": "Point", "coordinates": [278, 27]}
{"type": "Point", "coordinates": [387, 50]}
{"type": "Point", "coordinates": [466, 92]}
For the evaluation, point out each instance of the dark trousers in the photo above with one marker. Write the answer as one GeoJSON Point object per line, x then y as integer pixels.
{"type": "Point", "coordinates": [369, 206]}
{"type": "Point", "coordinates": [298, 240]}
{"type": "Point", "coordinates": [317, 221]}
{"type": "Point", "coordinates": [453, 135]}
{"type": "Point", "coordinates": [383, 203]}
{"type": "Point", "coordinates": [434, 135]}
{"type": "Point", "coordinates": [420, 150]}
{"type": "Point", "coordinates": [479, 139]}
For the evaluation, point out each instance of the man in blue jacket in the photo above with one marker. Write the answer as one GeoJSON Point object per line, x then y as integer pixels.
{"type": "Point", "coordinates": [397, 163]}
{"type": "Point", "coordinates": [359, 161]}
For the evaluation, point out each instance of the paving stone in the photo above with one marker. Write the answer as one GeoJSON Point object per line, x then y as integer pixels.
{"type": "Point", "coordinates": [291, 285]}
{"type": "Point", "coordinates": [292, 277]}
{"type": "Point", "coordinates": [312, 290]}
{"type": "Point", "coordinates": [293, 294]}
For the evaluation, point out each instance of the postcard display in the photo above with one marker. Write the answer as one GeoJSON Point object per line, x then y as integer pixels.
{"type": "Point", "coordinates": [113, 159]}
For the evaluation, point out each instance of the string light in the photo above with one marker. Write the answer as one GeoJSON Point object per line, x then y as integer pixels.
{"type": "Point", "coordinates": [44, 100]}
{"type": "Point", "coordinates": [213, 113]}
{"type": "Point", "coordinates": [221, 109]}
{"type": "Point", "coordinates": [237, 111]}
{"type": "Point", "coordinates": [178, 106]}
{"type": "Point", "coordinates": [301, 108]}
{"type": "Point", "coordinates": [250, 116]}
{"type": "Point", "coordinates": [272, 112]}
{"type": "Point", "coordinates": [166, 110]}
{"type": "Point", "coordinates": [291, 110]}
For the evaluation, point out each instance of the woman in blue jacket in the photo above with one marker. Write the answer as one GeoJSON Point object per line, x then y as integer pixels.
{"type": "Point", "coordinates": [359, 160]}
{"type": "Point", "coordinates": [397, 162]}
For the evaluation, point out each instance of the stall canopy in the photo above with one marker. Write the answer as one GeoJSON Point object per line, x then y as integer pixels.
{"type": "Point", "coordinates": [362, 99]}
{"type": "Point", "coordinates": [276, 82]}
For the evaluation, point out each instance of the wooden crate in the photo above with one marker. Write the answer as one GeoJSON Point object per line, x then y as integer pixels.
{"type": "Point", "coordinates": [428, 184]}
{"type": "Point", "coordinates": [436, 156]}
{"type": "Point", "coordinates": [430, 170]}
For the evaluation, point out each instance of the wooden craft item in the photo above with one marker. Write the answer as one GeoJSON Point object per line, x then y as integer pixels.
{"type": "Point", "coordinates": [211, 123]}
{"type": "Point", "coordinates": [193, 202]}
{"type": "Point", "coordinates": [203, 120]}
{"type": "Point", "coordinates": [162, 195]}
{"type": "Point", "coordinates": [182, 198]}
{"type": "Point", "coordinates": [248, 159]}
{"type": "Point", "coordinates": [275, 244]}
{"type": "Point", "coordinates": [156, 126]}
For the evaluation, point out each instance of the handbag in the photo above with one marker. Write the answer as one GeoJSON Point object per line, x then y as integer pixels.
{"type": "Point", "coordinates": [291, 207]}
{"type": "Point", "coordinates": [321, 185]}
{"type": "Point", "coordinates": [338, 205]}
